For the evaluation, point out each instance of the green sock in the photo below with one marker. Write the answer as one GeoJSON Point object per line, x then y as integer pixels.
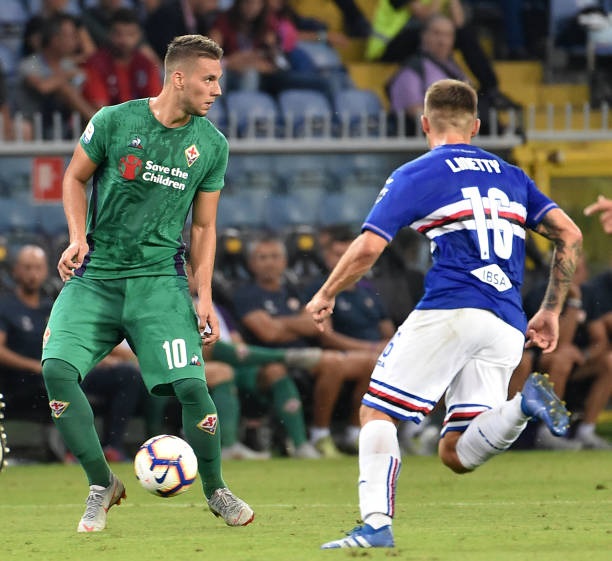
{"type": "Point", "coordinates": [225, 396]}
{"type": "Point", "coordinates": [256, 356]}
{"type": "Point", "coordinates": [74, 419]}
{"type": "Point", "coordinates": [199, 410]}
{"type": "Point", "coordinates": [288, 407]}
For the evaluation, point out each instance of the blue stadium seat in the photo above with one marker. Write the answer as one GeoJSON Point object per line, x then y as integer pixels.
{"type": "Point", "coordinates": [252, 114]}
{"type": "Point", "coordinates": [305, 113]}
{"type": "Point", "coordinates": [51, 220]}
{"type": "Point", "coordinates": [286, 210]}
{"type": "Point", "coordinates": [346, 207]}
{"type": "Point", "coordinates": [359, 112]}
{"type": "Point", "coordinates": [240, 210]}
{"type": "Point", "coordinates": [17, 216]}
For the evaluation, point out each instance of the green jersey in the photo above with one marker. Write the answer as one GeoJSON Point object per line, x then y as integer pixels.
{"type": "Point", "coordinates": [147, 178]}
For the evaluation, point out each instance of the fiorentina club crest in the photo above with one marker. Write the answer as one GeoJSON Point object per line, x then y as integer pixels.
{"type": "Point", "coordinates": [58, 407]}
{"type": "Point", "coordinates": [209, 423]}
{"type": "Point", "coordinates": [192, 155]}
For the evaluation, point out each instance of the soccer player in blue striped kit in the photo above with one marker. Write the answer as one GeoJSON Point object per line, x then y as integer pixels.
{"type": "Point", "coordinates": [467, 333]}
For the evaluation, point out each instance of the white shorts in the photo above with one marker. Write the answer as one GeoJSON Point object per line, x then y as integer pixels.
{"type": "Point", "coordinates": [468, 353]}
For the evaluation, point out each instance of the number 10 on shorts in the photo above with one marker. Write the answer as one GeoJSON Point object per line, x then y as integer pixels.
{"type": "Point", "coordinates": [176, 353]}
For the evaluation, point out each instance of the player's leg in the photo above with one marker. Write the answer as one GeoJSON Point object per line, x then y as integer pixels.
{"type": "Point", "coordinates": [410, 376]}
{"type": "Point", "coordinates": [480, 423]}
{"type": "Point", "coordinates": [73, 344]}
{"type": "Point", "coordinates": [163, 328]}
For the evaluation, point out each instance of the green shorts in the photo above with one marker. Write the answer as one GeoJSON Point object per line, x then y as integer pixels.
{"type": "Point", "coordinates": [155, 315]}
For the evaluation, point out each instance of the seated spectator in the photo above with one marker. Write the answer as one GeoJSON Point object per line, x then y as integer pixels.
{"type": "Point", "coordinates": [232, 365]}
{"type": "Point", "coordinates": [583, 353]}
{"type": "Point", "coordinates": [34, 30]}
{"type": "Point", "coordinates": [166, 20]}
{"type": "Point", "coordinates": [50, 80]}
{"type": "Point", "coordinates": [119, 71]}
{"type": "Point", "coordinates": [434, 61]}
{"type": "Point", "coordinates": [253, 57]}
{"type": "Point", "coordinates": [293, 28]}
{"type": "Point", "coordinates": [395, 37]}
{"type": "Point", "coordinates": [98, 19]}
{"type": "Point", "coordinates": [360, 320]}
{"type": "Point", "coordinates": [115, 386]}
{"type": "Point", "coordinates": [272, 315]}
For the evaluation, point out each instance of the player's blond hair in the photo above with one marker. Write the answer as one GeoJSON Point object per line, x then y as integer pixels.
{"type": "Point", "coordinates": [451, 104]}
{"type": "Point", "coordinates": [188, 47]}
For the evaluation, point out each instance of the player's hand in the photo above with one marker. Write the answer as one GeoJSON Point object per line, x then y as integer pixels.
{"type": "Point", "coordinates": [604, 206]}
{"type": "Point", "coordinates": [543, 331]}
{"type": "Point", "coordinates": [320, 308]}
{"type": "Point", "coordinates": [208, 323]}
{"type": "Point", "coordinates": [71, 259]}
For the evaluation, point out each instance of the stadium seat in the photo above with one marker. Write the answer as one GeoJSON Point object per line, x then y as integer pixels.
{"type": "Point", "coordinates": [322, 55]}
{"type": "Point", "coordinates": [243, 209]}
{"type": "Point", "coordinates": [286, 210]}
{"type": "Point", "coordinates": [359, 112]}
{"type": "Point", "coordinates": [561, 13]}
{"type": "Point", "coordinates": [17, 216]}
{"type": "Point", "coordinates": [305, 113]}
{"type": "Point", "coordinates": [345, 207]}
{"type": "Point", "coordinates": [51, 220]}
{"type": "Point", "coordinates": [251, 114]}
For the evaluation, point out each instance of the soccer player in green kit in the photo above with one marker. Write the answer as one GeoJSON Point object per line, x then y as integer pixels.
{"type": "Point", "coordinates": [124, 269]}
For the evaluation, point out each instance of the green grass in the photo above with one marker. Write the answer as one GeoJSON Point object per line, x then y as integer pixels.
{"type": "Point", "coordinates": [540, 506]}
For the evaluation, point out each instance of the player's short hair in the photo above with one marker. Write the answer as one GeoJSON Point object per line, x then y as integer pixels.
{"type": "Point", "coordinates": [451, 104]}
{"type": "Point", "coordinates": [186, 47]}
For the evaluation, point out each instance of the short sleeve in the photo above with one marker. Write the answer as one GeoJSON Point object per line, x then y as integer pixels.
{"type": "Point", "coordinates": [215, 178]}
{"type": "Point", "coordinates": [93, 139]}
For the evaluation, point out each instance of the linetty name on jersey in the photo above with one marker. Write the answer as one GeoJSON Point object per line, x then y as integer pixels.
{"type": "Point", "coordinates": [473, 164]}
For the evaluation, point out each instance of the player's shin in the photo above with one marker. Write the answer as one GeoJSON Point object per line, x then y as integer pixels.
{"type": "Point", "coordinates": [202, 431]}
{"type": "Point", "coordinates": [73, 417]}
{"type": "Point", "coordinates": [491, 433]}
{"type": "Point", "coordinates": [379, 467]}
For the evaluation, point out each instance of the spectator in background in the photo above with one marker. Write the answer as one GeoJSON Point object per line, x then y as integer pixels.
{"type": "Point", "coordinates": [7, 131]}
{"type": "Point", "coordinates": [395, 37]}
{"type": "Point", "coordinates": [23, 317]}
{"type": "Point", "coordinates": [583, 353]}
{"type": "Point", "coordinates": [253, 54]}
{"type": "Point", "coordinates": [602, 205]}
{"type": "Point", "coordinates": [177, 17]}
{"type": "Point", "coordinates": [360, 320]}
{"type": "Point", "coordinates": [34, 30]}
{"type": "Point", "coordinates": [271, 314]}
{"type": "Point", "coordinates": [51, 81]}
{"type": "Point", "coordinates": [119, 71]}
{"type": "Point", "coordinates": [115, 386]}
{"type": "Point", "coordinates": [98, 19]}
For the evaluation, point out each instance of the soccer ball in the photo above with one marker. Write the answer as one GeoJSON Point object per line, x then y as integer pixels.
{"type": "Point", "coordinates": [165, 465]}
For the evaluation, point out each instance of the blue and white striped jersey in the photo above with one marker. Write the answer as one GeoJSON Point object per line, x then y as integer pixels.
{"type": "Point", "coordinates": [475, 209]}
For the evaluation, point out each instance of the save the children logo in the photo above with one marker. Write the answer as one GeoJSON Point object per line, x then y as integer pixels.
{"type": "Point", "coordinates": [130, 166]}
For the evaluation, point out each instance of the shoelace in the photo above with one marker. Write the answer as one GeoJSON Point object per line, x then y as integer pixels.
{"type": "Point", "coordinates": [94, 504]}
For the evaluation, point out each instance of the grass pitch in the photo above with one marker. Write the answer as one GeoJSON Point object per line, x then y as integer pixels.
{"type": "Point", "coordinates": [540, 506]}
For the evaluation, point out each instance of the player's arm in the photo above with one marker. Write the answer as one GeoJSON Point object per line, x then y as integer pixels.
{"type": "Point", "coordinates": [202, 256]}
{"type": "Point", "coordinates": [543, 328]}
{"type": "Point", "coordinates": [356, 261]}
{"type": "Point", "coordinates": [74, 196]}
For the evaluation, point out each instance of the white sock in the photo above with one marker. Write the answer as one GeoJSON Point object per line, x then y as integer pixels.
{"type": "Point", "coordinates": [379, 466]}
{"type": "Point", "coordinates": [491, 433]}
{"type": "Point", "coordinates": [317, 433]}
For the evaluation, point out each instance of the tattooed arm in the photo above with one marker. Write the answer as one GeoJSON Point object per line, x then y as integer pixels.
{"type": "Point", "coordinates": [543, 328]}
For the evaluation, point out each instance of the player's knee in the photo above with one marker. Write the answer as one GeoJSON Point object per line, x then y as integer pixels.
{"type": "Point", "coordinates": [447, 451]}
{"type": "Point", "coordinates": [56, 370]}
{"type": "Point", "coordinates": [271, 373]}
{"type": "Point", "coordinates": [189, 390]}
